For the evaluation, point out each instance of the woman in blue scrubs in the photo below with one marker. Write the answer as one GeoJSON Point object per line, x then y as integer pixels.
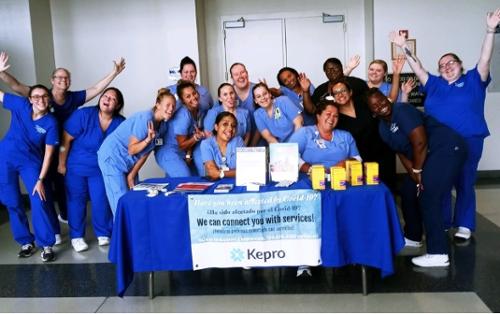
{"type": "Point", "coordinates": [277, 118]}
{"type": "Point", "coordinates": [433, 155]}
{"type": "Point", "coordinates": [63, 102]}
{"type": "Point", "coordinates": [377, 74]}
{"type": "Point", "coordinates": [227, 98]}
{"type": "Point", "coordinates": [182, 141]}
{"type": "Point", "coordinates": [322, 143]}
{"type": "Point", "coordinates": [84, 133]}
{"type": "Point", "coordinates": [124, 152]}
{"type": "Point", "coordinates": [25, 152]}
{"type": "Point", "coordinates": [188, 72]}
{"type": "Point", "coordinates": [457, 100]}
{"type": "Point", "coordinates": [218, 152]}
{"type": "Point", "coordinates": [299, 89]}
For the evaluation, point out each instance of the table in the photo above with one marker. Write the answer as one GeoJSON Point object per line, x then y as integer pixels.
{"type": "Point", "coordinates": [359, 226]}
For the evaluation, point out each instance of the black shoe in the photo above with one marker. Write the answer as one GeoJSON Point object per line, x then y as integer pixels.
{"type": "Point", "coordinates": [26, 250]}
{"type": "Point", "coordinates": [48, 255]}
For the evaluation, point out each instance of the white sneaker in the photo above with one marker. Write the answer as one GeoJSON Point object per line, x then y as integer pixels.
{"type": "Point", "coordinates": [431, 260]}
{"type": "Point", "coordinates": [304, 270]}
{"type": "Point", "coordinates": [64, 221]}
{"type": "Point", "coordinates": [58, 239]}
{"type": "Point", "coordinates": [103, 241]}
{"type": "Point", "coordinates": [79, 244]}
{"type": "Point", "coordinates": [411, 243]}
{"type": "Point", "coordinates": [463, 233]}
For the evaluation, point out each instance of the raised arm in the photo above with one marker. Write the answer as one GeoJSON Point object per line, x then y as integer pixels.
{"type": "Point", "coordinates": [413, 61]}
{"type": "Point", "coordinates": [95, 90]}
{"type": "Point", "coordinates": [397, 66]}
{"type": "Point", "coordinates": [136, 145]}
{"type": "Point", "coordinates": [305, 84]}
{"type": "Point", "coordinates": [483, 65]}
{"type": "Point", "coordinates": [353, 63]}
{"type": "Point", "coordinates": [13, 83]}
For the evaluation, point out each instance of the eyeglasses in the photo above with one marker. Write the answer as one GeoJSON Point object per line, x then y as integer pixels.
{"type": "Point", "coordinates": [447, 64]}
{"type": "Point", "coordinates": [38, 97]}
{"type": "Point", "coordinates": [339, 91]}
{"type": "Point", "coordinates": [60, 78]}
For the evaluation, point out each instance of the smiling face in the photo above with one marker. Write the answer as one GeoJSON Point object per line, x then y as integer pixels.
{"type": "Point", "coordinates": [61, 79]}
{"type": "Point", "coordinates": [376, 73]}
{"type": "Point", "coordinates": [39, 98]}
{"type": "Point", "coordinates": [166, 107]}
{"type": "Point", "coordinates": [227, 96]}
{"type": "Point", "coordinates": [288, 79]}
{"type": "Point", "coordinates": [190, 98]}
{"type": "Point", "coordinates": [188, 73]}
{"type": "Point", "coordinates": [226, 128]}
{"type": "Point", "coordinates": [328, 118]}
{"type": "Point", "coordinates": [380, 105]}
{"type": "Point", "coordinates": [333, 71]}
{"type": "Point", "coordinates": [341, 94]}
{"type": "Point", "coordinates": [450, 68]}
{"type": "Point", "coordinates": [239, 75]}
{"type": "Point", "coordinates": [262, 97]}
{"type": "Point", "coordinates": [108, 102]}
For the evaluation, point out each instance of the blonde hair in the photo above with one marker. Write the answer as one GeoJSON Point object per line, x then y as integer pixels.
{"type": "Point", "coordinates": [162, 93]}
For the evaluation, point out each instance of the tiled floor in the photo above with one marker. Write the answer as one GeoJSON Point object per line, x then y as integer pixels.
{"type": "Point", "coordinates": [85, 282]}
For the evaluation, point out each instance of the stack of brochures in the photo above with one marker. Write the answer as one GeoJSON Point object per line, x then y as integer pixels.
{"type": "Point", "coordinates": [193, 187]}
{"type": "Point", "coordinates": [150, 186]}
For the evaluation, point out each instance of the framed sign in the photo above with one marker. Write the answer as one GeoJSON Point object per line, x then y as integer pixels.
{"type": "Point", "coordinates": [395, 50]}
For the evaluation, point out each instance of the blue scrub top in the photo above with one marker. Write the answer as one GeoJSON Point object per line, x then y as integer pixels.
{"type": "Point", "coordinates": [83, 125]}
{"type": "Point", "coordinates": [247, 103]}
{"type": "Point", "coordinates": [405, 118]}
{"type": "Point", "coordinates": [24, 143]}
{"type": "Point", "coordinates": [299, 102]}
{"type": "Point", "coordinates": [385, 88]}
{"type": "Point", "coordinates": [242, 115]}
{"type": "Point", "coordinates": [73, 101]}
{"type": "Point", "coordinates": [459, 105]}
{"type": "Point", "coordinates": [280, 125]}
{"type": "Point", "coordinates": [210, 151]}
{"type": "Point", "coordinates": [313, 149]}
{"type": "Point", "coordinates": [206, 100]}
{"type": "Point", "coordinates": [115, 145]}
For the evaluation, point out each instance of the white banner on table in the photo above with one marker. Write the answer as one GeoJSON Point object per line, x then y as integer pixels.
{"type": "Point", "coordinates": [280, 228]}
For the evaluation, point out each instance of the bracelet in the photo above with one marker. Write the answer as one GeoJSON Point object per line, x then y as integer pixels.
{"type": "Point", "coordinates": [417, 171]}
{"type": "Point", "coordinates": [40, 179]}
{"type": "Point", "coordinates": [490, 30]}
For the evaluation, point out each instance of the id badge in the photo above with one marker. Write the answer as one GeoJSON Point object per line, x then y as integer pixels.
{"type": "Point", "coordinates": [158, 141]}
{"type": "Point", "coordinates": [320, 143]}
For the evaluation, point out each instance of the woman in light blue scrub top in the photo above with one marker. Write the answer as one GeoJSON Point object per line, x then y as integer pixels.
{"type": "Point", "coordinates": [83, 135]}
{"type": "Point", "coordinates": [25, 152]}
{"type": "Point", "coordinates": [181, 155]}
{"type": "Point", "coordinates": [188, 72]}
{"type": "Point", "coordinates": [299, 89]}
{"type": "Point", "coordinates": [276, 119]}
{"type": "Point", "coordinates": [124, 152]}
{"type": "Point", "coordinates": [227, 98]}
{"type": "Point", "coordinates": [322, 143]}
{"type": "Point", "coordinates": [377, 73]}
{"type": "Point", "coordinates": [219, 151]}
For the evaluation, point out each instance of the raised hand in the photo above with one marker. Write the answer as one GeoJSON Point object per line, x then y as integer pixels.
{"type": "Point", "coordinates": [4, 58]}
{"type": "Point", "coordinates": [304, 82]}
{"type": "Point", "coordinates": [151, 131]}
{"type": "Point", "coordinates": [408, 86]}
{"type": "Point", "coordinates": [354, 62]}
{"type": "Point", "coordinates": [397, 39]}
{"type": "Point", "coordinates": [119, 65]}
{"type": "Point", "coordinates": [493, 19]}
{"type": "Point", "coordinates": [398, 63]}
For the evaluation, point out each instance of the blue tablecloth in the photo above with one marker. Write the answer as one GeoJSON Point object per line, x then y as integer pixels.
{"type": "Point", "coordinates": [359, 226]}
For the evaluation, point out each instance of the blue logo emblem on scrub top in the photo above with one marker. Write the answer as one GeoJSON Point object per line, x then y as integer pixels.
{"type": "Point", "coordinates": [40, 130]}
{"type": "Point", "coordinates": [394, 127]}
{"type": "Point", "coordinates": [461, 84]}
{"type": "Point", "coordinates": [237, 255]}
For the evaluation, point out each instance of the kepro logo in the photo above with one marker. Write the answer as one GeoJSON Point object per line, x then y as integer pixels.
{"type": "Point", "coordinates": [237, 255]}
{"type": "Point", "coordinates": [265, 255]}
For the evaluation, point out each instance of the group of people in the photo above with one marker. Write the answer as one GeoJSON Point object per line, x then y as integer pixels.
{"type": "Point", "coordinates": [98, 153]}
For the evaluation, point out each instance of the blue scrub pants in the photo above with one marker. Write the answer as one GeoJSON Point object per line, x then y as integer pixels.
{"type": "Point", "coordinates": [465, 204]}
{"type": "Point", "coordinates": [79, 188]}
{"type": "Point", "coordinates": [42, 212]}
{"type": "Point", "coordinates": [441, 168]}
{"type": "Point", "coordinates": [115, 181]}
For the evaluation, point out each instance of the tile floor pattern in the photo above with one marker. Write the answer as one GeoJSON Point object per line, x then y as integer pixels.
{"type": "Point", "coordinates": [85, 282]}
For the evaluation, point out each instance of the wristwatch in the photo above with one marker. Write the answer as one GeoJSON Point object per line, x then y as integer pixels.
{"type": "Point", "coordinates": [221, 173]}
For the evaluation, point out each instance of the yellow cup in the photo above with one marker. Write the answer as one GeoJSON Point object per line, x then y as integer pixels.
{"type": "Point", "coordinates": [338, 178]}
{"type": "Point", "coordinates": [318, 177]}
{"type": "Point", "coordinates": [371, 173]}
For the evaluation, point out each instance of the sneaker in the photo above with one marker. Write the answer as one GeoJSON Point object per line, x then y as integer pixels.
{"type": "Point", "coordinates": [431, 260]}
{"type": "Point", "coordinates": [246, 267]}
{"type": "Point", "coordinates": [58, 239]}
{"type": "Point", "coordinates": [79, 244]}
{"type": "Point", "coordinates": [463, 233]}
{"type": "Point", "coordinates": [304, 271]}
{"type": "Point", "coordinates": [411, 243]}
{"type": "Point", "coordinates": [103, 241]}
{"type": "Point", "coordinates": [47, 254]}
{"type": "Point", "coordinates": [26, 250]}
{"type": "Point", "coordinates": [64, 221]}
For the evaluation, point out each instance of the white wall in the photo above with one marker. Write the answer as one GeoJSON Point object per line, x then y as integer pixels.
{"type": "Point", "coordinates": [215, 9]}
{"type": "Point", "coordinates": [440, 27]}
{"type": "Point", "coordinates": [152, 35]}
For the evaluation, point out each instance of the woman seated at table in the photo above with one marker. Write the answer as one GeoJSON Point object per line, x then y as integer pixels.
{"type": "Point", "coordinates": [84, 132]}
{"type": "Point", "coordinates": [227, 98]}
{"type": "Point", "coordinates": [277, 118]}
{"type": "Point", "coordinates": [299, 89]}
{"type": "Point", "coordinates": [218, 152]}
{"type": "Point", "coordinates": [433, 156]}
{"type": "Point", "coordinates": [124, 152]}
{"type": "Point", "coordinates": [183, 137]}
{"type": "Point", "coordinates": [322, 143]}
